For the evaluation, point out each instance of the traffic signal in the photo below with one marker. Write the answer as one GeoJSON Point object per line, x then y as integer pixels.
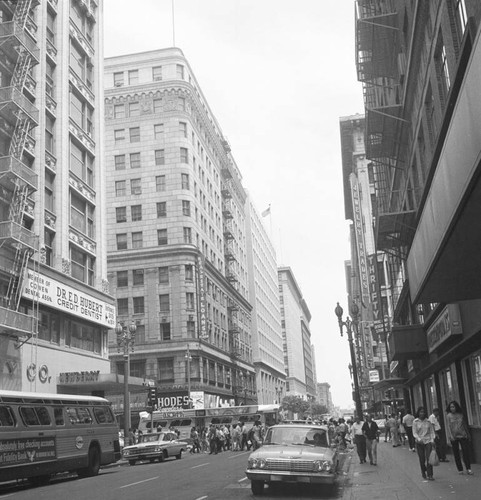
{"type": "Point", "coordinates": [152, 397]}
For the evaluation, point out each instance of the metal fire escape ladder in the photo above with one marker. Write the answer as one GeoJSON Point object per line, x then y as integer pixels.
{"type": "Point", "coordinates": [16, 279]}
{"type": "Point", "coordinates": [21, 12]}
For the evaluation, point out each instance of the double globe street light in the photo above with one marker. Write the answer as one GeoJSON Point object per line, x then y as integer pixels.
{"type": "Point", "coordinates": [348, 323]}
{"type": "Point", "coordinates": [126, 340]}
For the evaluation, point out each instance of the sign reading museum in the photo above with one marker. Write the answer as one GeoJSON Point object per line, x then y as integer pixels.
{"type": "Point", "coordinates": [64, 298]}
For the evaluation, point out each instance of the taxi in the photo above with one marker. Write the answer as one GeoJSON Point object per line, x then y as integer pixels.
{"type": "Point", "coordinates": [155, 446]}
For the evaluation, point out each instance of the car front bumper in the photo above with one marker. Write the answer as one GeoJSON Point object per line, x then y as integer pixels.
{"type": "Point", "coordinates": [270, 476]}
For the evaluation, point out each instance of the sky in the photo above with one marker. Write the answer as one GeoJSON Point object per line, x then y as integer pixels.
{"type": "Point", "coordinates": [277, 75]}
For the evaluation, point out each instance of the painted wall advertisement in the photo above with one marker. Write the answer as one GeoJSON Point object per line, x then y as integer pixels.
{"type": "Point", "coordinates": [54, 294]}
{"type": "Point", "coordinates": [27, 450]}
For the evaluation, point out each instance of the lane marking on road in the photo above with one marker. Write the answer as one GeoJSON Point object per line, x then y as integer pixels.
{"type": "Point", "coordinates": [243, 479]}
{"type": "Point", "coordinates": [239, 454]}
{"type": "Point", "coordinates": [201, 498]}
{"type": "Point", "coordinates": [201, 465]}
{"type": "Point", "coordinates": [139, 482]}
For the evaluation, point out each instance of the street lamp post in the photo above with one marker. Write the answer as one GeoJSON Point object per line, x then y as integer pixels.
{"type": "Point", "coordinates": [348, 324]}
{"type": "Point", "coordinates": [188, 358]}
{"type": "Point", "coordinates": [126, 340]}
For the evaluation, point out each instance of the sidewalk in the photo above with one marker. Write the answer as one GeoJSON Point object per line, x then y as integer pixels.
{"type": "Point", "coordinates": [398, 477]}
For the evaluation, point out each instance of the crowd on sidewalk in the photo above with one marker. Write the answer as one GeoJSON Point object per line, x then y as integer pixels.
{"type": "Point", "coordinates": [422, 433]}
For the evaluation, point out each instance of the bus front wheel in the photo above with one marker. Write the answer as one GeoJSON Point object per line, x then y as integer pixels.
{"type": "Point", "coordinates": [93, 466]}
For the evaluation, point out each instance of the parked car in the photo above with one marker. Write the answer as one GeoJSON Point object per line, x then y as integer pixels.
{"type": "Point", "coordinates": [155, 446]}
{"type": "Point", "coordinates": [298, 453]}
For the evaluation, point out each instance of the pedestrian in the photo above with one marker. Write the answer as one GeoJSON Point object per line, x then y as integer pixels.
{"type": "Point", "coordinates": [342, 430]}
{"type": "Point", "coordinates": [387, 429]}
{"type": "Point", "coordinates": [459, 436]}
{"type": "Point", "coordinates": [439, 441]}
{"type": "Point", "coordinates": [235, 437]}
{"type": "Point", "coordinates": [256, 435]}
{"type": "Point", "coordinates": [423, 432]}
{"type": "Point", "coordinates": [243, 437]}
{"type": "Point", "coordinates": [401, 429]}
{"type": "Point", "coordinates": [359, 438]}
{"type": "Point", "coordinates": [371, 431]}
{"type": "Point", "coordinates": [194, 436]}
{"type": "Point", "coordinates": [393, 424]}
{"type": "Point", "coordinates": [131, 437]}
{"type": "Point", "coordinates": [408, 420]}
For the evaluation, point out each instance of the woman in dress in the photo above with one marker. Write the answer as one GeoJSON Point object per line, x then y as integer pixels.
{"type": "Point", "coordinates": [458, 433]}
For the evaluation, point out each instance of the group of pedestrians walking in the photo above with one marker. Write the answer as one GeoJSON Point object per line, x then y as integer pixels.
{"type": "Point", "coordinates": [424, 434]}
{"type": "Point", "coordinates": [217, 438]}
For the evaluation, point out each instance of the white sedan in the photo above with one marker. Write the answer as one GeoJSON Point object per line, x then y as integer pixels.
{"type": "Point", "coordinates": [156, 446]}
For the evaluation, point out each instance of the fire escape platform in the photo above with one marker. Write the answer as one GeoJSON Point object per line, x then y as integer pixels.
{"type": "Point", "coordinates": [395, 230]}
{"type": "Point", "coordinates": [12, 36]}
{"type": "Point", "coordinates": [407, 342]}
{"type": "Point", "coordinates": [13, 103]}
{"type": "Point", "coordinates": [13, 170]}
{"type": "Point", "coordinates": [17, 235]}
{"type": "Point", "coordinates": [384, 131]}
{"type": "Point", "coordinates": [15, 323]}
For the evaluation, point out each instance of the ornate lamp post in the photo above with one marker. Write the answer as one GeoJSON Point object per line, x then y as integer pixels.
{"type": "Point", "coordinates": [126, 340]}
{"type": "Point", "coordinates": [349, 324]}
{"type": "Point", "coordinates": [188, 358]}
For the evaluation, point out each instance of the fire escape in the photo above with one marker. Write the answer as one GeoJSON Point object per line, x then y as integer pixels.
{"type": "Point", "coordinates": [18, 116]}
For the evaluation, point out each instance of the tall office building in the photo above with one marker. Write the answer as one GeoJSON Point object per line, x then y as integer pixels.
{"type": "Point", "coordinates": [54, 305]}
{"type": "Point", "coordinates": [295, 318]}
{"type": "Point", "coordinates": [176, 237]}
{"type": "Point", "coordinates": [419, 63]}
{"type": "Point", "coordinates": [267, 349]}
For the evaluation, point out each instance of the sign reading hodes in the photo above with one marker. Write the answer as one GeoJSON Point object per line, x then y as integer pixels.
{"type": "Point", "coordinates": [64, 298]}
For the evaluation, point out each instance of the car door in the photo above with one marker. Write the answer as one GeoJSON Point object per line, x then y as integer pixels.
{"type": "Point", "coordinates": [174, 446]}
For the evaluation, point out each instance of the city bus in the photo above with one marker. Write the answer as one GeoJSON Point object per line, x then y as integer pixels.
{"type": "Point", "coordinates": [44, 434]}
{"type": "Point", "coordinates": [183, 420]}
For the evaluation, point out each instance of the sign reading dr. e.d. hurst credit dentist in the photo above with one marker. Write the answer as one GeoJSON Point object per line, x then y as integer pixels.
{"type": "Point", "coordinates": [59, 296]}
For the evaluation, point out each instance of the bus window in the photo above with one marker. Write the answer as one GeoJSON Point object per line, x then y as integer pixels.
{"type": "Point", "coordinates": [6, 417]}
{"type": "Point", "coordinates": [103, 415]}
{"type": "Point", "coordinates": [175, 423]}
{"type": "Point", "coordinates": [226, 420]}
{"type": "Point", "coordinates": [58, 415]}
{"type": "Point", "coordinates": [215, 421]}
{"type": "Point", "coordinates": [185, 423]}
{"type": "Point", "coordinates": [34, 416]}
{"type": "Point", "coordinates": [79, 415]}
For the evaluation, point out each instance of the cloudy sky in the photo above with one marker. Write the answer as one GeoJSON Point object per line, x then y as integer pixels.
{"type": "Point", "coordinates": [277, 75]}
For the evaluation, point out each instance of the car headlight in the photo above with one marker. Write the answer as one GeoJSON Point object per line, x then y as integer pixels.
{"type": "Point", "coordinates": [126, 452]}
{"type": "Point", "coordinates": [158, 448]}
{"type": "Point", "coordinates": [322, 465]}
{"type": "Point", "coordinates": [257, 463]}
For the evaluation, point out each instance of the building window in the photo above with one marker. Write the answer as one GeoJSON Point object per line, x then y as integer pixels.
{"type": "Point", "coordinates": [135, 186]}
{"type": "Point", "coordinates": [137, 367]}
{"type": "Point", "coordinates": [159, 157]}
{"type": "Point", "coordinates": [188, 235]}
{"type": "Point", "coordinates": [160, 183]}
{"type": "Point", "coordinates": [180, 71]}
{"type": "Point", "coordinates": [49, 327]}
{"type": "Point", "coordinates": [184, 155]}
{"type": "Point", "coordinates": [181, 101]}
{"type": "Point", "coordinates": [157, 105]}
{"type": "Point", "coordinates": [137, 240]}
{"type": "Point", "coordinates": [49, 191]}
{"type": "Point", "coordinates": [133, 77]}
{"type": "Point", "coordinates": [163, 275]}
{"type": "Point", "coordinates": [136, 212]}
{"type": "Point", "coordinates": [159, 131]}
{"type": "Point", "coordinates": [120, 188]}
{"type": "Point", "coordinates": [134, 160]}
{"type": "Point", "coordinates": [161, 209]}
{"type": "Point", "coordinates": [82, 266]}
{"type": "Point", "coordinates": [185, 181]}
{"type": "Point", "coordinates": [183, 129]}
{"type": "Point", "coordinates": [82, 215]}
{"type": "Point", "coordinates": [134, 108]}
{"type": "Point", "coordinates": [122, 279]}
{"type": "Point", "coordinates": [49, 134]}
{"type": "Point", "coordinates": [118, 79]}
{"type": "Point", "coordinates": [81, 164]}
{"type": "Point", "coordinates": [121, 214]}
{"type": "Point", "coordinates": [191, 329]}
{"type": "Point", "coordinates": [119, 135]}
{"type": "Point", "coordinates": [189, 297]}
{"type": "Point", "coordinates": [138, 277]}
{"type": "Point", "coordinates": [162, 237]}
{"type": "Point", "coordinates": [119, 162]}
{"type": "Point", "coordinates": [189, 272]}
{"type": "Point", "coordinates": [119, 111]}
{"type": "Point", "coordinates": [138, 303]}
{"type": "Point", "coordinates": [165, 335]}
{"type": "Point", "coordinates": [80, 112]}
{"type": "Point", "coordinates": [164, 303]}
{"type": "Point", "coordinates": [121, 241]}
{"type": "Point", "coordinates": [134, 134]}
{"type": "Point", "coordinates": [461, 16]}
{"type": "Point", "coordinates": [123, 307]}
{"type": "Point", "coordinates": [186, 208]}
{"type": "Point", "coordinates": [157, 73]}
{"type": "Point", "coordinates": [166, 369]}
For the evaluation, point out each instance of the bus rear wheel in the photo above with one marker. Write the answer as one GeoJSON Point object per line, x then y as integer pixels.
{"type": "Point", "coordinates": [93, 466]}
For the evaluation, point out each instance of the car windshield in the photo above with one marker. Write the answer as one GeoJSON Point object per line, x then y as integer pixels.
{"type": "Point", "coordinates": [151, 438]}
{"type": "Point", "coordinates": [309, 436]}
